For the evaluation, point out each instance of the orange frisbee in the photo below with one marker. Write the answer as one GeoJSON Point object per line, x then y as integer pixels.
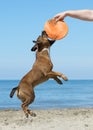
{"type": "Point", "coordinates": [56, 30]}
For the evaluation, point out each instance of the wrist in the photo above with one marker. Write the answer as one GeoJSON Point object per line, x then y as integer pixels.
{"type": "Point", "coordinates": [67, 13]}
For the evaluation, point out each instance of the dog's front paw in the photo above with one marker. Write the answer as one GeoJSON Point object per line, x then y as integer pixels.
{"type": "Point", "coordinates": [64, 77]}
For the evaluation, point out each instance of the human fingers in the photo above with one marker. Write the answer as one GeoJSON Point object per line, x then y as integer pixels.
{"type": "Point", "coordinates": [58, 18]}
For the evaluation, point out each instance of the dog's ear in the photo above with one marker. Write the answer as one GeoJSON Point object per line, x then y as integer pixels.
{"type": "Point", "coordinates": [34, 48]}
{"type": "Point", "coordinates": [34, 41]}
{"type": "Point", "coordinates": [51, 41]}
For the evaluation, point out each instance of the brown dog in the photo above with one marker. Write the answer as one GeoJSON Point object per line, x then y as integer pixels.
{"type": "Point", "coordinates": [41, 72]}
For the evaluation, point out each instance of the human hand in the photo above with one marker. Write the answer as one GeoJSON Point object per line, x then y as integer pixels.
{"type": "Point", "coordinates": [60, 16]}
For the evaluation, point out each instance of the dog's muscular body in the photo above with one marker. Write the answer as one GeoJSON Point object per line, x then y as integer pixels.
{"type": "Point", "coordinates": [41, 72]}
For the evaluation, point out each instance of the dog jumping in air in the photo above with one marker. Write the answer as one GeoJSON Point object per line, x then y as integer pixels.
{"type": "Point", "coordinates": [40, 72]}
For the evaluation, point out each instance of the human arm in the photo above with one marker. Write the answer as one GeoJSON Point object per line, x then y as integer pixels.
{"type": "Point", "coordinates": [78, 14]}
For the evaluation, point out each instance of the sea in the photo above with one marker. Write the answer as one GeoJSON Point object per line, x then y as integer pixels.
{"type": "Point", "coordinates": [50, 95]}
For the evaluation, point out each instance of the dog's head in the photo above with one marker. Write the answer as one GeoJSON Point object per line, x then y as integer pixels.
{"type": "Point", "coordinates": [42, 42]}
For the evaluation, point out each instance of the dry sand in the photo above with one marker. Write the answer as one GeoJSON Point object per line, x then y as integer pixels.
{"type": "Point", "coordinates": [63, 119]}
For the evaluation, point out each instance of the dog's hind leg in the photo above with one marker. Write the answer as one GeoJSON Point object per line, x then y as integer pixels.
{"type": "Point", "coordinates": [28, 100]}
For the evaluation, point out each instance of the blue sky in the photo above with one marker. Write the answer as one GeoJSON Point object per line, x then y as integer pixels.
{"type": "Point", "coordinates": [21, 21]}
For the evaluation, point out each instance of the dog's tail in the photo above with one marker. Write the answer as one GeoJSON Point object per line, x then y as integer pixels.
{"type": "Point", "coordinates": [13, 91]}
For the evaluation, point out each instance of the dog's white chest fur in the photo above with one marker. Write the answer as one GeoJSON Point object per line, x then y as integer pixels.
{"type": "Point", "coordinates": [46, 49]}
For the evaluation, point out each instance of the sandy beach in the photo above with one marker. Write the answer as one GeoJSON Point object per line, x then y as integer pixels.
{"type": "Point", "coordinates": [61, 119]}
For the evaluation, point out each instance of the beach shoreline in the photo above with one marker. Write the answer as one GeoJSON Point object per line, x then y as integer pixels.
{"type": "Point", "coordinates": [51, 119]}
